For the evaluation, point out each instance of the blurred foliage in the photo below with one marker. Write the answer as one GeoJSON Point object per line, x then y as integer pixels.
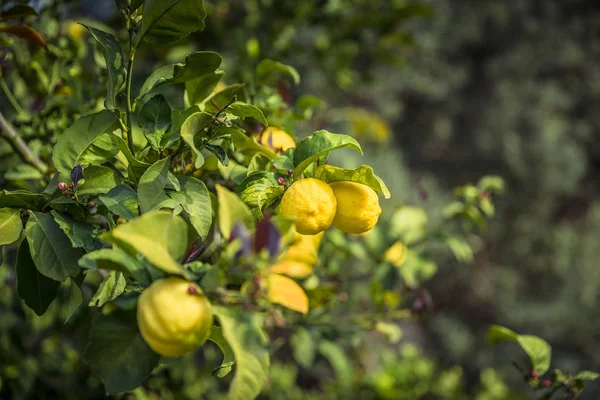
{"type": "Point", "coordinates": [495, 87]}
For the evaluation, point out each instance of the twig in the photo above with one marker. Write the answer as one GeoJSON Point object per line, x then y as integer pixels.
{"type": "Point", "coordinates": [11, 98]}
{"type": "Point", "coordinates": [20, 146]}
{"type": "Point", "coordinates": [132, 50]}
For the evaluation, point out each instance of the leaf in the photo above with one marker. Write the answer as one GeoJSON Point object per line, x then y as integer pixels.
{"type": "Point", "coordinates": [587, 375]}
{"type": "Point", "coordinates": [10, 225]}
{"type": "Point", "coordinates": [159, 236]}
{"type": "Point", "coordinates": [21, 199]}
{"type": "Point", "coordinates": [25, 32]}
{"type": "Point", "coordinates": [416, 269]}
{"type": "Point", "coordinates": [155, 120]}
{"type": "Point", "coordinates": [80, 234]}
{"type": "Point", "coordinates": [117, 354]}
{"type": "Point", "coordinates": [136, 167]}
{"type": "Point", "coordinates": [304, 347]}
{"type": "Point", "coordinates": [178, 117]}
{"type": "Point", "coordinates": [151, 187]}
{"type": "Point", "coordinates": [538, 350]}
{"type": "Point", "coordinates": [339, 362]}
{"type": "Point", "coordinates": [196, 65]}
{"type": "Point", "coordinates": [122, 201]}
{"type": "Point", "coordinates": [110, 288]}
{"type": "Point", "coordinates": [258, 163]}
{"type": "Point", "coordinates": [232, 210]}
{"type": "Point", "coordinates": [197, 204]}
{"type": "Point", "coordinates": [245, 110]}
{"type": "Point", "coordinates": [262, 194]}
{"type": "Point", "coordinates": [317, 145]}
{"type": "Point", "coordinates": [51, 249]}
{"type": "Point", "coordinates": [216, 336]}
{"type": "Point", "coordinates": [75, 299]}
{"type": "Point", "coordinates": [192, 126]}
{"type": "Point", "coordinates": [293, 269]}
{"type": "Point", "coordinates": [408, 224]}
{"type": "Point", "coordinates": [223, 97]}
{"type": "Point", "coordinates": [268, 71]}
{"type": "Point", "coordinates": [284, 291]}
{"type": "Point", "coordinates": [37, 291]}
{"type": "Point", "coordinates": [87, 141]}
{"type": "Point", "coordinates": [116, 260]}
{"type": "Point", "coordinates": [17, 11]}
{"type": "Point", "coordinates": [460, 248]}
{"type": "Point", "coordinates": [99, 180]}
{"type": "Point", "coordinates": [248, 146]}
{"type": "Point", "coordinates": [243, 332]}
{"type": "Point", "coordinates": [363, 174]}
{"type": "Point", "coordinates": [198, 89]}
{"type": "Point", "coordinates": [169, 20]}
{"type": "Point", "coordinates": [219, 152]}
{"type": "Point", "coordinates": [115, 63]}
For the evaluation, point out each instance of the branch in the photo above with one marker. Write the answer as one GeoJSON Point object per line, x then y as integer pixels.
{"type": "Point", "coordinates": [19, 145]}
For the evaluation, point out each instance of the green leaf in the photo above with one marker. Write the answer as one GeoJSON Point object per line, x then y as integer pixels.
{"type": "Point", "coordinates": [416, 269]}
{"type": "Point", "coordinates": [538, 350]}
{"type": "Point", "coordinates": [17, 11]}
{"type": "Point", "coordinates": [192, 126]}
{"type": "Point", "coordinates": [232, 210]}
{"type": "Point", "coordinates": [25, 32]}
{"type": "Point", "coordinates": [197, 204]}
{"type": "Point", "coordinates": [408, 224]}
{"type": "Point", "coordinates": [51, 249]}
{"type": "Point", "coordinates": [245, 110]}
{"type": "Point", "coordinates": [159, 236]}
{"type": "Point", "coordinates": [110, 288]}
{"type": "Point", "coordinates": [115, 63]}
{"type": "Point", "coordinates": [243, 332]}
{"type": "Point", "coordinates": [165, 21]}
{"type": "Point", "coordinates": [339, 362]}
{"type": "Point", "coordinates": [136, 166]}
{"type": "Point", "coordinates": [304, 347]}
{"type": "Point", "coordinates": [261, 194]}
{"type": "Point", "coordinates": [363, 174]}
{"type": "Point", "coordinates": [22, 172]}
{"type": "Point", "coordinates": [151, 187]}
{"type": "Point", "coordinates": [10, 225]}
{"type": "Point", "coordinates": [37, 291]}
{"type": "Point", "coordinates": [178, 117]}
{"type": "Point", "coordinates": [267, 71]}
{"type": "Point", "coordinates": [198, 89]}
{"type": "Point", "coordinates": [80, 234]}
{"type": "Point", "coordinates": [318, 145]}
{"type": "Point", "coordinates": [117, 354]}
{"type": "Point", "coordinates": [122, 201]}
{"type": "Point", "coordinates": [116, 260]}
{"type": "Point", "coordinates": [223, 97]}
{"type": "Point", "coordinates": [155, 120]}
{"type": "Point", "coordinates": [87, 141]}
{"type": "Point", "coordinates": [285, 162]}
{"type": "Point", "coordinates": [198, 64]}
{"type": "Point", "coordinates": [75, 299]}
{"type": "Point", "coordinates": [99, 180]}
{"type": "Point", "coordinates": [216, 336]}
{"type": "Point", "coordinates": [460, 248]}
{"type": "Point", "coordinates": [587, 375]}
{"type": "Point", "coordinates": [247, 145]}
{"type": "Point", "coordinates": [21, 199]}
{"type": "Point", "coordinates": [258, 163]}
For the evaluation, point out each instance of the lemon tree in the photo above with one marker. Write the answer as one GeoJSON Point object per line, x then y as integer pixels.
{"type": "Point", "coordinates": [193, 211]}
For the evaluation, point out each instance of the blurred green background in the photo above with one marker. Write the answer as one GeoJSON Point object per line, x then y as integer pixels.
{"type": "Point", "coordinates": [441, 92]}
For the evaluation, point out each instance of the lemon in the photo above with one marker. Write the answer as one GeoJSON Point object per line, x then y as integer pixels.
{"type": "Point", "coordinates": [291, 268]}
{"type": "Point", "coordinates": [75, 30]}
{"type": "Point", "coordinates": [303, 249]}
{"type": "Point", "coordinates": [311, 203]}
{"type": "Point", "coordinates": [174, 316]}
{"type": "Point", "coordinates": [396, 254]}
{"type": "Point", "coordinates": [276, 139]}
{"type": "Point", "coordinates": [357, 207]}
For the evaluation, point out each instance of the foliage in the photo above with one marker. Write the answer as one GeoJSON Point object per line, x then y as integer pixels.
{"type": "Point", "coordinates": [110, 188]}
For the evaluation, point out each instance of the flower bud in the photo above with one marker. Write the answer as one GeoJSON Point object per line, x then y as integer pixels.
{"type": "Point", "coordinates": [73, 198]}
{"type": "Point", "coordinates": [280, 180]}
{"type": "Point", "coordinates": [92, 204]}
{"type": "Point", "coordinates": [63, 186]}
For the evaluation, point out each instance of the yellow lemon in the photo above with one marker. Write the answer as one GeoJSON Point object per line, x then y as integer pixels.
{"type": "Point", "coordinates": [174, 316]}
{"type": "Point", "coordinates": [276, 139]}
{"type": "Point", "coordinates": [396, 254]}
{"type": "Point", "coordinates": [304, 249]}
{"type": "Point", "coordinates": [311, 203]}
{"type": "Point", "coordinates": [357, 207]}
{"type": "Point", "coordinates": [75, 30]}
{"type": "Point", "coordinates": [294, 269]}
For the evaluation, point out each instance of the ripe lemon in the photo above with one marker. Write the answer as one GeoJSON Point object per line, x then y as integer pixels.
{"type": "Point", "coordinates": [276, 139]}
{"type": "Point", "coordinates": [304, 249]}
{"type": "Point", "coordinates": [174, 316]}
{"type": "Point", "coordinates": [294, 269]}
{"type": "Point", "coordinates": [311, 203]}
{"type": "Point", "coordinates": [357, 207]}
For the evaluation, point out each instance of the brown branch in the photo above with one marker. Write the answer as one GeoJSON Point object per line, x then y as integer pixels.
{"type": "Point", "coordinates": [19, 145]}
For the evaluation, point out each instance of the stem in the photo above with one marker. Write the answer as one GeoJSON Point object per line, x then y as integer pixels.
{"type": "Point", "coordinates": [11, 98]}
{"type": "Point", "coordinates": [20, 146]}
{"type": "Point", "coordinates": [128, 87]}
